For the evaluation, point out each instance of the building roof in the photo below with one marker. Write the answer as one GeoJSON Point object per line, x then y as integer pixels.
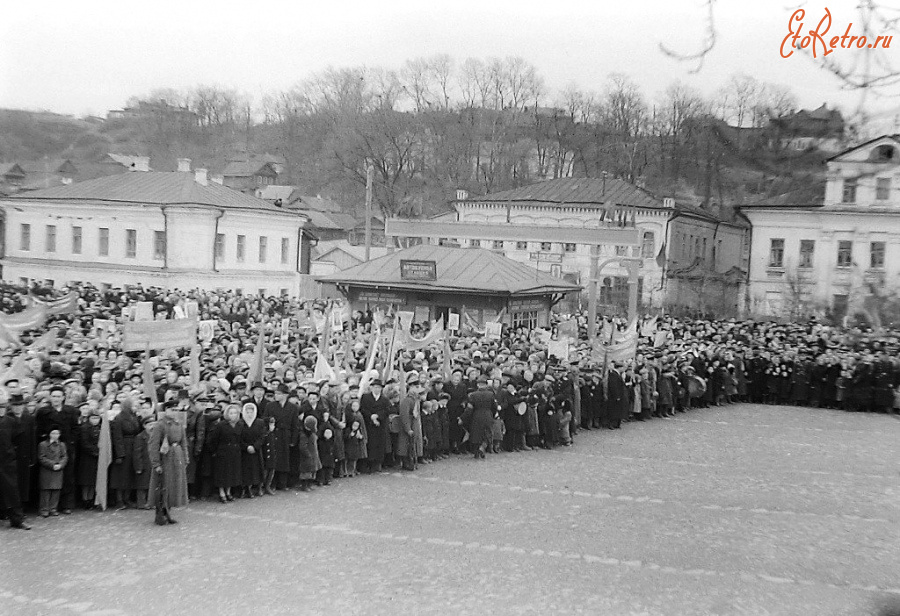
{"type": "Point", "coordinates": [48, 165]}
{"type": "Point", "coordinates": [327, 220]}
{"type": "Point", "coordinates": [248, 168]}
{"type": "Point", "coordinates": [458, 270]}
{"type": "Point", "coordinates": [327, 247]}
{"type": "Point", "coordinates": [152, 187]}
{"type": "Point", "coordinates": [271, 192]}
{"type": "Point", "coordinates": [576, 191]}
{"type": "Point", "coordinates": [128, 161]}
{"type": "Point", "coordinates": [12, 169]}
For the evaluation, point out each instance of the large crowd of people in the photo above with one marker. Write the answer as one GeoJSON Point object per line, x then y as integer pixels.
{"type": "Point", "coordinates": [83, 423]}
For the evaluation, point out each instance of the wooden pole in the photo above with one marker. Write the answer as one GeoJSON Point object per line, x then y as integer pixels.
{"type": "Point", "coordinates": [592, 293]}
{"type": "Point", "coordinates": [370, 181]}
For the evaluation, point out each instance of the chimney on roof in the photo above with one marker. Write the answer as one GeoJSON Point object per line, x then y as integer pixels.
{"type": "Point", "coordinates": [462, 195]}
{"type": "Point", "coordinates": [668, 202]}
{"type": "Point", "coordinates": [140, 163]}
{"type": "Point", "coordinates": [184, 165]}
{"type": "Point", "coordinates": [200, 177]}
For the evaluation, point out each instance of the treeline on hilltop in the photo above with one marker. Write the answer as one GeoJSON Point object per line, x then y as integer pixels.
{"type": "Point", "coordinates": [437, 125]}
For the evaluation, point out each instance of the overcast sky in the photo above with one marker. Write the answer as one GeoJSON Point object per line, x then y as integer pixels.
{"type": "Point", "coordinates": [89, 56]}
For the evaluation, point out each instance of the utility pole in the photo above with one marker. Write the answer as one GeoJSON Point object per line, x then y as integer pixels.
{"type": "Point", "coordinates": [592, 293]}
{"type": "Point", "coordinates": [370, 180]}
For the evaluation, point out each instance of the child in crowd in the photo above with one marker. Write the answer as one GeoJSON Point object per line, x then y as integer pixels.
{"type": "Point", "coordinates": [53, 458]}
{"type": "Point", "coordinates": [355, 441]}
{"type": "Point", "coordinates": [498, 431]}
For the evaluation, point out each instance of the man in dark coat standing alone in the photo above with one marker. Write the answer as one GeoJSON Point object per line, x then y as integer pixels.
{"type": "Point", "coordinates": [59, 416]}
{"type": "Point", "coordinates": [284, 438]}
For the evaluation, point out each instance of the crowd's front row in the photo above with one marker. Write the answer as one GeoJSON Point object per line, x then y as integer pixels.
{"type": "Point", "coordinates": [238, 444]}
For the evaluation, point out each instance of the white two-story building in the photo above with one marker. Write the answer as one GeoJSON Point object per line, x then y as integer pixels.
{"type": "Point", "coordinates": [808, 258]}
{"type": "Point", "coordinates": [691, 257]}
{"type": "Point", "coordinates": [170, 229]}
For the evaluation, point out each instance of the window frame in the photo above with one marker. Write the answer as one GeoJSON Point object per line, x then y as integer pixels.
{"type": "Point", "coordinates": [77, 240]}
{"type": "Point", "coordinates": [845, 247]}
{"type": "Point", "coordinates": [25, 237]}
{"type": "Point", "coordinates": [848, 190]}
{"type": "Point", "coordinates": [103, 241]}
{"type": "Point", "coordinates": [50, 239]}
{"type": "Point", "coordinates": [776, 253]}
{"type": "Point", "coordinates": [130, 243]}
{"type": "Point", "coordinates": [810, 262]}
{"type": "Point", "coordinates": [263, 248]}
{"type": "Point", "coordinates": [872, 253]}
{"type": "Point", "coordinates": [882, 189]}
{"type": "Point", "coordinates": [157, 253]}
{"type": "Point", "coordinates": [240, 253]}
{"type": "Point", "coordinates": [285, 250]}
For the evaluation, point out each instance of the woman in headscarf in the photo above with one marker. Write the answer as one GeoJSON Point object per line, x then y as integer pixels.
{"type": "Point", "coordinates": [168, 451]}
{"type": "Point", "coordinates": [253, 432]}
{"type": "Point", "coordinates": [226, 453]}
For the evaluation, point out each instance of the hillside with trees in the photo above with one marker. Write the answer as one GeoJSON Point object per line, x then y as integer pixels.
{"type": "Point", "coordinates": [437, 125]}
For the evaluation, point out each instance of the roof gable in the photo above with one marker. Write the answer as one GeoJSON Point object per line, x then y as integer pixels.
{"type": "Point", "coordinates": [848, 155]}
{"type": "Point", "coordinates": [249, 168]}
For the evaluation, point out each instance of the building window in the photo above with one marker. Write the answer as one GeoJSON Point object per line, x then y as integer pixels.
{"type": "Point", "coordinates": [527, 319]}
{"type": "Point", "coordinates": [241, 248]}
{"type": "Point", "coordinates": [103, 243]}
{"type": "Point", "coordinates": [703, 250]}
{"type": "Point", "coordinates": [621, 251]}
{"type": "Point", "coordinates": [51, 238]}
{"type": "Point", "coordinates": [569, 247]}
{"type": "Point", "coordinates": [876, 255]}
{"type": "Point", "coordinates": [25, 237]}
{"type": "Point", "coordinates": [285, 250]}
{"type": "Point", "coordinates": [159, 244]}
{"type": "Point", "coordinates": [883, 189]}
{"type": "Point", "coordinates": [474, 243]}
{"type": "Point", "coordinates": [807, 248]}
{"type": "Point", "coordinates": [845, 253]}
{"type": "Point", "coordinates": [130, 243]}
{"type": "Point", "coordinates": [220, 246]}
{"type": "Point", "coordinates": [849, 193]}
{"type": "Point", "coordinates": [546, 246]}
{"type": "Point", "coordinates": [776, 253]}
{"type": "Point", "coordinates": [521, 245]}
{"type": "Point", "coordinates": [76, 240]}
{"type": "Point", "coordinates": [263, 246]}
{"type": "Point", "coordinates": [498, 244]}
{"type": "Point", "coordinates": [648, 245]}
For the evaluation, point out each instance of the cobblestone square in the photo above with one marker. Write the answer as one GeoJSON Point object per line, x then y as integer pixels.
{"type": "Point", "coordinates": [742, 509]}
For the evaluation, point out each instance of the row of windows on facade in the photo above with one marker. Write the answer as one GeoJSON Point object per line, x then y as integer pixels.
{"type": "Point", "coordinates": [647, 247]}
{"type": "Point", "coordinates": [882, 190]}
{"type": "Point", "coordinates": [159, 244]}
{"type": "Point", "coordinates": [844, 253]}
